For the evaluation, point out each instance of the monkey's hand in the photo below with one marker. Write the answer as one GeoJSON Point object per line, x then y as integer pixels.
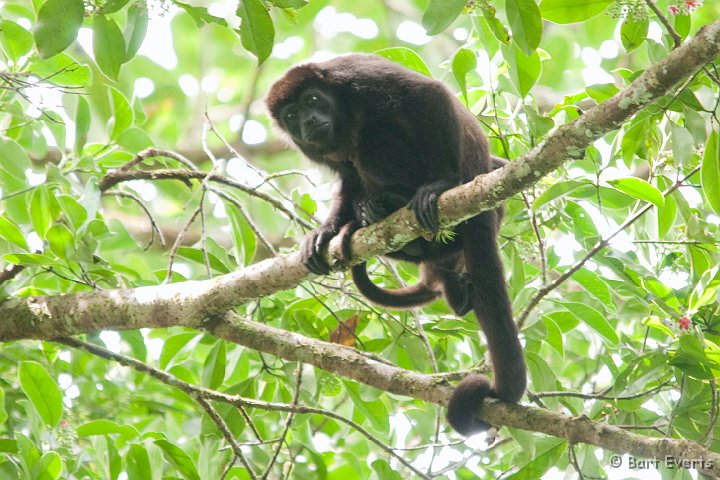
{"type": "Point", "coordinates": [374, 208]}
{"type": "Point", "coordinates": [313, 246]}
{"type": "Point", "coordinates": [425, 204]}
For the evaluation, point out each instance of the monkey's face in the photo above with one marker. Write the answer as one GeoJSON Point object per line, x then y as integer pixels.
{"type": "Point", "coordinates": [310, 119]}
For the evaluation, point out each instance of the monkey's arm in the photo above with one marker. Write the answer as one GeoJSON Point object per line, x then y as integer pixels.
{"type": "Point", "coordinates": [436, 131]}
{"type": "Point", "coordinates": [341, 212]}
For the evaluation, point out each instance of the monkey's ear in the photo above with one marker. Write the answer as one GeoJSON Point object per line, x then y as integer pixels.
{"type": "Point", "coordinates": [283, 90]}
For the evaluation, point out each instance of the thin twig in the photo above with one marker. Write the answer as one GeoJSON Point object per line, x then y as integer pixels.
{"type": "Point", "coordinates": [118, 176]}
{"type": "Point", "coordinates": [226, 433]}
{"type": "Point", "coordinates": [154, 227]}
{"type": "Point", "coordinates": [178, 242]}
{"type": "Point", "coordinates": [709, 433]}
{"type": "Point", "coordinates": [538, 237]}
{"type": "Point", "coordinates": [288, 421]}
{"type": "Point", "coordinates": [601, 395]}
{"type": "Point", "coordinates": [668, 431]}
{"type": "Point", "coordinates": [677, 39]}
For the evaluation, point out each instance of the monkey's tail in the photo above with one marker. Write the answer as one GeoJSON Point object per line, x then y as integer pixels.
{"type": "Point", "coordinates": [493, 310]}
{"type": "Point", "coordinates": [406, 297]}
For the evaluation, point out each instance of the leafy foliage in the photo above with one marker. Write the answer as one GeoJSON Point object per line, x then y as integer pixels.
{"type": "Point", "coordinates": [630, 338]}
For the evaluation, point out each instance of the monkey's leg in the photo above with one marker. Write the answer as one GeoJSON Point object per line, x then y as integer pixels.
{"type": "Point", "coordinates": [456, 286]}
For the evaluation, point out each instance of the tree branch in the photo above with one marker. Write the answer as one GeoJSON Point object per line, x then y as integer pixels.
{"type": "Point", "coordinates": [203, 304]}
{"type": "Point", "coordinates": [349, 362]}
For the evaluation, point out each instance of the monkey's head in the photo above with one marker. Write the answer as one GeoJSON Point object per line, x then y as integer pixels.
{"type": "Point", "coordinates": [305, 105]}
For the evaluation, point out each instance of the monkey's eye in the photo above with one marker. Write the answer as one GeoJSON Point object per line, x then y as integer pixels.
{"type": "Point", "coordinates": [290, 115]}
{"type": "Point", "coordinates": [311, 99]}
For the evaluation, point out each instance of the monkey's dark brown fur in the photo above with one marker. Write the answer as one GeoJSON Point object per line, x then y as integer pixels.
{"type": "Point", "coordinates": [395, 136]}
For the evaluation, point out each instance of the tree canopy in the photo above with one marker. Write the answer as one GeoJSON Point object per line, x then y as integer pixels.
{"type": "Point", "coordinates": [157, 322]}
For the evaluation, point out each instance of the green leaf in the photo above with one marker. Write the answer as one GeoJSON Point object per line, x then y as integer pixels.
{"type": "Point", "coordinates": [15, 160]}
{"type": "Point", "coordinates": [595, 285]}
{"type": "Point", "coordinates": [594, 320]}
{"type": "Point", "coordinates": [640, 189]}
{"type": "Point", "coordinates": [3, 414]}
{"type": "Point", "coordinates": [540, 464]}
{"type": "Point", "coordinates": [289, 3]}
{"type": "Point", "coordinates": [214, 368]}
{"type": "Point", "coordinates": [106, 427]}
{"type": "Point", "coordinates": [134, 140]}
{"type": "Point", "coordinates": [135, 28]}
{"type": "Point", "coordinates": [553, 335]}
{"type": "Point", "coordinates": [556, 191]}
{"type": "Point", "coordinates": [173, 345]}
{"type": "Point", "coordinates": [634, 139]}
{"type": "Point", "coordinates": [137, 462]}
{"type": "Point", "coordinates": [440, 14]}
{"type": "Point", "coordinates": [73, 212]}
{"type": "Point", "coordinates": [30, 259]}
{"type": "Point", "coordinates": [257, 32]}
{"type": "Point", "coordinates": [82, 124]}
{"type": "Point", "coordinates": [243, 235]}
{"type": "Point", "coordinates": [12, 233]}
{"type": "Point", "coordinates": [655, 323]}
{"type": "Point", "coordinates": [177, 457]}
{"type": "Point", "coordinates": [308, 206]}
{"type": "Point", "coordinates": [526, 24]}
{"type": "Point", "coordinates": [601, 91]}
{"type": "Point", "coordinates": [57, 25]}
{"type": "Point", "coordinates": [8, 445]}
{"type": "Point", "coordinates": [666, 216]}
{"type": "Point", "coordinates": [710, 172]}
{"type": "Point", "coordinates": [584, 228]}
{"type": "Point", "coordinates": [201, 15]}
{"type": "Point", "coordinates": [374, 410]}
{"type": "Point", "coordinates": [539, 125]}
{"type": "Point", "coordinates": [633, 33]}
{"type": "Point", "coordinates": [682, 143]}
{"type": "Point", "coordinates": [108, 46]}
{"type": "Point", "coordinates": [62, 70]}
{"type": "Point", "coordinates": [14, 40]}
{"type": "Point", "coordinates": [384, 471]}
{"type": "Point", "coordinates": [494, 24]}
{"type": "Point", "coordinates": [44, 209]}
{"type": "Point", "coordinates": [524, 70]}
{"type": "Point", "coordinates": [682, 24]}
{"type": "Point", "coordinates": [691, 358]}
{"type": "Point", "coordinates": [705, 291]}
{"type": "Point", "coordinates": [570, 11]}
{"type": "Point", "coordinates": [50, 466]}
{"type": "Point", "coordinates": [61, 242]}
{"type": "Point", "coordinates": [542, 376]}
{"type": "Point", "coordinates": [463, 62]}
{"type": "Point", "coordinates": [42, 391]}
{"type": "Point", "coordinates": [405, 57]}
{"type": "Point", "coordinates": [197, 255]}
{"type": "Point", "coordinates": [122, 117]}
{"type": "Point", "coordinates": [111, 6]}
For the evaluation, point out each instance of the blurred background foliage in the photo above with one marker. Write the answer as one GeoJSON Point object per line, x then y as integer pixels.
{"type": "Point", "coordinates": [630, 339]}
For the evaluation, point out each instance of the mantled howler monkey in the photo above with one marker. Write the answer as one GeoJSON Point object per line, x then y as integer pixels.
{"type": "Point", "coordinates": [396, 137]}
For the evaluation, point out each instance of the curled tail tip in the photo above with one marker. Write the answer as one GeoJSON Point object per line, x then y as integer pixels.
{"type": "Point", "coordinates": [466, 404]}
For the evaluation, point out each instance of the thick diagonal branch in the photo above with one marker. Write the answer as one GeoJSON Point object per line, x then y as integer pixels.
{"type": "Point", "coordinates": [188, 303]}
